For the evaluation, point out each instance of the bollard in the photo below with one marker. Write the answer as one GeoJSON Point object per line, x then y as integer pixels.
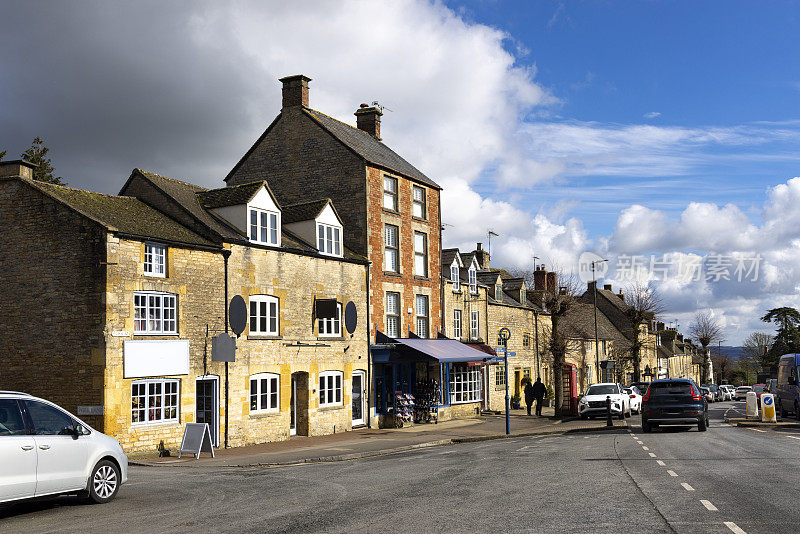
{"type": "Point", "coordinates": [609, 422]}
{"type": "Point", "coordinates": [751, 406]}
{"type": "Point", "coordinates": [768, 408]}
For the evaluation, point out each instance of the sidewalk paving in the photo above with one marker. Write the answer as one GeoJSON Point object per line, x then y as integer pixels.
{"type": "Point", "coordinates": [364, 443]}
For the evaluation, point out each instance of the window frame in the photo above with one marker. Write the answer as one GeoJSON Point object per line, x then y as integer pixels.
{"type": "Point", "coordinates": [326, 388]}
{"type": "Point", "coordinates": [423, 254]}
{"type": "Point", "coordinates": [425, 318]}
{"type": "Point", "coordinates": [474, 325]}
{"type": "Point", "coordinates": [472, 274]}
{"type": "Point", "coordinates": [163, 396]}
{"type": "Point", "coordinates": [153, 251]}
{"type": "Point", "coordinates": [499, 376]}
{"type": "Point", "coordinates": [335, 321]}
{"type": "Point", "coordinates": [162, 316]}
{"type": "Point", "coordinates": [260, 228]}
{"type": "Point", "coordinates": [470, 378]}
{"type": "Point", "coordinates": [421, 204]}
{"type": "Point", "coordinates": [390, 193]}
{"type": "Point", "coordinates": [268, 300]}
{"type": "Point", "coordinates": [330, 242]}
{"type": "Point", "coordinates": [455, 277]}
{"type": "Point", "coordinates": [270, 393]}
{"type": "Point", "coordinates": [397, 315]}
{"type": "Point", "coordinates": [457, 324]}
{"type": "Point", "coordinates": [387, 247]}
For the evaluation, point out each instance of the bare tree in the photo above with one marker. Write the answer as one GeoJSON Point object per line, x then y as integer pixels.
{"type": "Point", "coordinates": [756, 350]}
{"type": "Point", "coordinates": [723, 367]}
{"type": "Point", "coordinates": [706, 330]}
{"type": "Point", "coordinates": [644, 305]}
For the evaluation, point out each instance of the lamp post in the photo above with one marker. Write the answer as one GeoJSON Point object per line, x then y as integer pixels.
{"type": "Point", "coordinates": [596, 341]}
{"type": "Point", "coordinates": [505, 333]}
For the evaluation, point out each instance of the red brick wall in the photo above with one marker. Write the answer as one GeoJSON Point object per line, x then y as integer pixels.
{"type": "Point", "coordinates": [407, 284]}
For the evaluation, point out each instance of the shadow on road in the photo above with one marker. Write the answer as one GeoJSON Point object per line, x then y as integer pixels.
{"type": "Point", "coordinates": [39, 505]}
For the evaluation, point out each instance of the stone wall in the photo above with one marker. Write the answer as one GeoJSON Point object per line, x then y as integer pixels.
{"type": "Point", "coordinates": [53, 286]}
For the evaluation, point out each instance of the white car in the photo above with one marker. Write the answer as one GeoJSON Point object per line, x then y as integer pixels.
{"type": "Point", "coordinates": [741, 392]}
{"type": "Point", "coordinates": [45, 450]}
{"type": "Point", "coordinates": [593, 403]}
{"type": "Point", "coordinates": [635, 397]}
{"type": "Point", "coordinates": [729, 392]}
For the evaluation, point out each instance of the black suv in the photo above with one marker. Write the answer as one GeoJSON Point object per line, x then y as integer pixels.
{"type": "Point", "coordinates": [674, 401]}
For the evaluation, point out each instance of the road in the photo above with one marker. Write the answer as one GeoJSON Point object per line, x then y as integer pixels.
{"type": "Point", "coordinates": [725, 480]}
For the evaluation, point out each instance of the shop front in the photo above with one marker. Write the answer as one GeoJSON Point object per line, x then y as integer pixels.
{"type": "Point", "coordinates": [426, 380]}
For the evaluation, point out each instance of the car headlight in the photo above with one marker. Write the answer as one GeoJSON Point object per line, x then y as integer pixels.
{"type": "Point", "coordinates": [584, 401]}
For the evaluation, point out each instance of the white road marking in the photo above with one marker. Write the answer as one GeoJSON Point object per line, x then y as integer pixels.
{"type": "Point", "coordinates": [734, 527]}
{"type": "Point", "coordinates": [793, 437]}
{"type": "Point", "coordinates": [672, 473]}
{"type": "Point", "coordinates": [645, 448]}
{"type": "Point", "coordinates": [651, 455]}
{"type": "Point", "coordinates": [523, 448]}
{"type": "Point", "coordinates": [686, 486]}
{"type": "Point", "coordinates": [640, 442]}
{"type": "Point", "coordinates": [759, 430]}
{"type": "Point", "coordinates": [662, 464]}
{"type": "Point", "coordinates": [710, 507]}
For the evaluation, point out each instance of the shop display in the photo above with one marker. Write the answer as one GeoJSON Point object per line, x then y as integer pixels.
{"type": "Point", "coordinates": [426, 408]}
{"type": "Point", "coordinates": [403, 407]}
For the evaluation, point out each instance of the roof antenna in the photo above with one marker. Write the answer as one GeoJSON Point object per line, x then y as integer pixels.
{"type": "Point", "coordinates": [382, 108]}
{"type": "Point", "coordinates": [489, 234]}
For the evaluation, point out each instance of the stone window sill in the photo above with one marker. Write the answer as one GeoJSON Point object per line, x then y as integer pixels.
{"type": "Point", "coordinates": [259, 415]}
{"type": "Point", "coordinates": [392, 273]}
{"type": "Point", "coordinates": [391, 212]}
{"type": "Point", "coordinates": [419, 219]}
{"type": "Point", "coordinates": [422, 278]}
{"type": "Point", "coordinates": [259, 337]}
{"type": "Point", "coordinates": [331, 408]}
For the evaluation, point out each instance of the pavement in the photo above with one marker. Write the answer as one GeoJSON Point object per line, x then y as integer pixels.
{"type": "Point", "coordinates": [365, 443]}
{"type": "Point", "coordinates": [726, 480]}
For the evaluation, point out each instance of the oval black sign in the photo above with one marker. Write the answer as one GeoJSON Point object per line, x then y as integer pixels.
{"type": "Point", "coordinates": [350, 317]}
{"type": "Point", "coordinates": [237, 315]}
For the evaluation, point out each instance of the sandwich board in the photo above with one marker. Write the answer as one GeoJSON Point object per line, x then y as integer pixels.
{"type": "Point", "coordinates": [196, 439]}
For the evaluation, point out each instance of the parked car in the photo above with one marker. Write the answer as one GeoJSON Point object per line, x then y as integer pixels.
{"type": "Point", "coordinates": [635, 397]}
{"type": "Point", "coordinates": [674, 401]}
{"type": "Point", "coordinates": [729, 390]}
{"type": "Point", "coordinates": [593, 403]}
{"type": "Point", "coordinates": [641, 386]}
{"type": "Point", "coordinates": [715, 392]}
{"type": "Point", "coordinates": [788, 395]}
{"type": "Point", "coordinates": [45, 450]}
{"type": "Point", "coordinates": [742, 391]}
{"type": "Point", "coordinates": [759, 389]}
{"type": "Point", "coordinates": [772, 386]}
{"type": "Point", "coordinates": [707, 393]}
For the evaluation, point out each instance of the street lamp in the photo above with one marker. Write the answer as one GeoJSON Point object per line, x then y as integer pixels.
{"type": "Point", "coordinates": [596, 342]}
{"type": "Point", "coordinates": [505, 333]}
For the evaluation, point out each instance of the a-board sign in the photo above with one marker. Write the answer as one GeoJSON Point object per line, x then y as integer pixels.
{"type": "Point", "coordinates": [196, 439]}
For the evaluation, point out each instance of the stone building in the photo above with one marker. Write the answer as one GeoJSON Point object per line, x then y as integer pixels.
{"type": "Point", "coordinates": [132, 288]}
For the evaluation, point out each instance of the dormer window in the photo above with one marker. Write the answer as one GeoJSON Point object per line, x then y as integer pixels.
{"type": "Point", "coordinates": [473, 280]}
{"type": "Point", "coordinates": [454, 277]}
{"type": "Point", "coordinates": [155, 260]}
{"type": "Point", "coordinates": [264, 226]}
{"type": "Point", "coordinates": [498, 293]}
{"type": "Point", "coordinates": [522, 299]}
{"type": "Point", "coordinates": [329, 239]}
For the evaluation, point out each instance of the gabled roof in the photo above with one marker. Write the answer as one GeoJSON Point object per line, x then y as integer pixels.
{"type": "Point", "coordinates": [488, 277]}
{"type": "Point", "coordinates": [449, 255]}
{"type": "Point", "coordinates": [368, 147]}
{"type": "Point", "coordinates": [127, 215]}
{"type": "Point", "coordinates": [233, 195]}
{"type": "Point", "coordinates": [306, 211]}
{"type": "Point", "coordinates": [578, 323]}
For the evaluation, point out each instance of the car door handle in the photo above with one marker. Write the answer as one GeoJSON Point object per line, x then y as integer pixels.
{"type": "Point", "coordinates": [27, 447]}
{"type": "Point", "coordinates": [44, 447]}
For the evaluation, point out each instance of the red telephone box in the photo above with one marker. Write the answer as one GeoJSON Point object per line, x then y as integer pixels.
{"type": "Point", "coordinates": [569, 375]}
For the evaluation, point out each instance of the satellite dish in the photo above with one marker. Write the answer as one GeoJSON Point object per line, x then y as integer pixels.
{"type": "Point", "coordinates": [350, 317]}
{"type": "Point", "coordinates": [237, 315]}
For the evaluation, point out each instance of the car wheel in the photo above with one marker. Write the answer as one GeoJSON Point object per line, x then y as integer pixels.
{"type": "Point", "coordinates": [584, 416]}
{"type": "Point", "coordinates": [622, 414]}
{"type": "Point", "coordinates": [104, 482]}
{"type": "Point", "coordinates": [646, 428]}
{"type": "Point", "coordinates": [702, 424]}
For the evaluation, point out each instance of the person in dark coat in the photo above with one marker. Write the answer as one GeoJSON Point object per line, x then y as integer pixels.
{"type": "Point", "coordinates": [538, 391]}
{"type": "Point", "coordinates": [529, 395]}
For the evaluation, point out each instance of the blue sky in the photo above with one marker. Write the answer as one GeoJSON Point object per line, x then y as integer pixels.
{"type": "Point", "coordinates": [695, 64]}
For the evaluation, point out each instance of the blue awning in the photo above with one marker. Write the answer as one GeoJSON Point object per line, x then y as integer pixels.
{"type": "Point", "coordinates": [445, 350]}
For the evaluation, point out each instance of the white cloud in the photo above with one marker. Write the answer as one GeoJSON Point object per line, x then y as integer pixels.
{"type": "Point", "coordinates": [652, 115]}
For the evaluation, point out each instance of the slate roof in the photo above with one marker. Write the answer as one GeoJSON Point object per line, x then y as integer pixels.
{"type": "Point", "coordinates": [579, 323]}
{"type": "Point", "coordinates": [229, 196]}
{"type": "Point", "coordinates": [368, 147]}
{"type": "Point", "coordinates": [448, 255]}
{"type": "Point", "coordinates": [304, 211]}
{"type": "Point", "coordinates": [488, 277]}
{"type": "Point", "coordinates": [127, 215]}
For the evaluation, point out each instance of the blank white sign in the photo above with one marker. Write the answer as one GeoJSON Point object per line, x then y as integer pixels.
{"type": "Point", "coordinates": [156, 358]}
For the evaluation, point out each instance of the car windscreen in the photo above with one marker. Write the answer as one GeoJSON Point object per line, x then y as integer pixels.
{"type": "Point", "coordinates": [602, 390]}
{"type": "Point", "coordinates": [758, 389]}
{"type": "Point", "coordinates": [659, 389]}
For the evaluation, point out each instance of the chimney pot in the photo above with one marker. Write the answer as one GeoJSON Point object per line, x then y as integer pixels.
{"type": "Point", "coordinates": [295, 90]}
{"type": "Point", "coordinates": [368, 119]}
{"type": "Point", "coordinates": [17, 167]}
{"type": "Point", "coordinates": [607, 287]}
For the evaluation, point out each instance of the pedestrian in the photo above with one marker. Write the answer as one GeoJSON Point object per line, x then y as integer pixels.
{"type": "Point", "coordinates": [538, 392]}
{"type": "Point", "coordinates": [528, 394]}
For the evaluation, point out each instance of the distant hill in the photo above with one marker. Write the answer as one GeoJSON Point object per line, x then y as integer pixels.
{"type": "Point", "coordinates": [732, 352]}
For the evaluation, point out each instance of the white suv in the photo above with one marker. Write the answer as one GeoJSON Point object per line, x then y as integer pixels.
{"type": "Point", "coordinates": [593, 403]}
{"type": "Point", "coordinates": [45, 450]}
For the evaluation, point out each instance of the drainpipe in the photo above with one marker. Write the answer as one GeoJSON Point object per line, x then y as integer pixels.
{"type": "Point", "coordinates": [536, 338]}
{"type": "Point", "coordinates": [225, 255]}
{"type": "Point", "coordinates": [369, 359]}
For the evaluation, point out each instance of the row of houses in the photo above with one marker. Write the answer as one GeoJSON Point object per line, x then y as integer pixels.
{"type": "Point", "coordinates": [355, 315]}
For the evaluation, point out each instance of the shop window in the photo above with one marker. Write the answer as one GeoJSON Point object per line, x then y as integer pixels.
{"type": "Point", "coordinates": [155, 260]}
{"type": "Point", "coordinates": [154, 401]}
{"type": "Point", "coordinates": [264, 393]}
{"type": "Point", "coordinates": [330, 388]}
{"type": "Point", "coordinates": [155, 313]}
{"type": "Point", "coordinates": [465, 383]}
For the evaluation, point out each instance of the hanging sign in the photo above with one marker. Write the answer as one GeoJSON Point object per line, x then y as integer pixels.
{"type": "Point", "coordinates": [196, 439]}
{"type": "Point", "coordinates": [223, 348]}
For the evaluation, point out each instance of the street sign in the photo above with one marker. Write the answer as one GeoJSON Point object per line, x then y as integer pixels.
{"type": "Point", "coordinates": [237, 314]}
{"type": "Point", "coordinates": [223, 348]}
{"type": "Point", "coordinates": [196, 439]}
{"type": "Point", "coordinates": [499, 349]}
{"type": "Point", "coordinates": [510, 354]}
{"type": "Point", "coordinates": [350, 317]}
{"type": "Point", "coordinates": [768, 408]}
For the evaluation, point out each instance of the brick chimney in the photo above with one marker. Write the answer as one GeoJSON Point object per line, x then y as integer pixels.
{"type": "Point", "coordinates": [295, 91]}
{"type": "Point", "coordinates": [483, 256]}
{"type": "Point", "coordinates": [607, 287]}
{"type": "Point", "coordinates": [17, 167]}
{"type": "Point", "coordinates": [551, 282]}
{"type": "Point", "coordinates": [590, 286]}
{"type": "Point", "coordinates": [540, 278]}
{"type": "Point", "coordinates": [369, 119]}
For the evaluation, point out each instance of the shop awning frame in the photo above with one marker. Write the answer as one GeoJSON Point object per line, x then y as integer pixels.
{"type": "Point", "coordinates": [442, 349]}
